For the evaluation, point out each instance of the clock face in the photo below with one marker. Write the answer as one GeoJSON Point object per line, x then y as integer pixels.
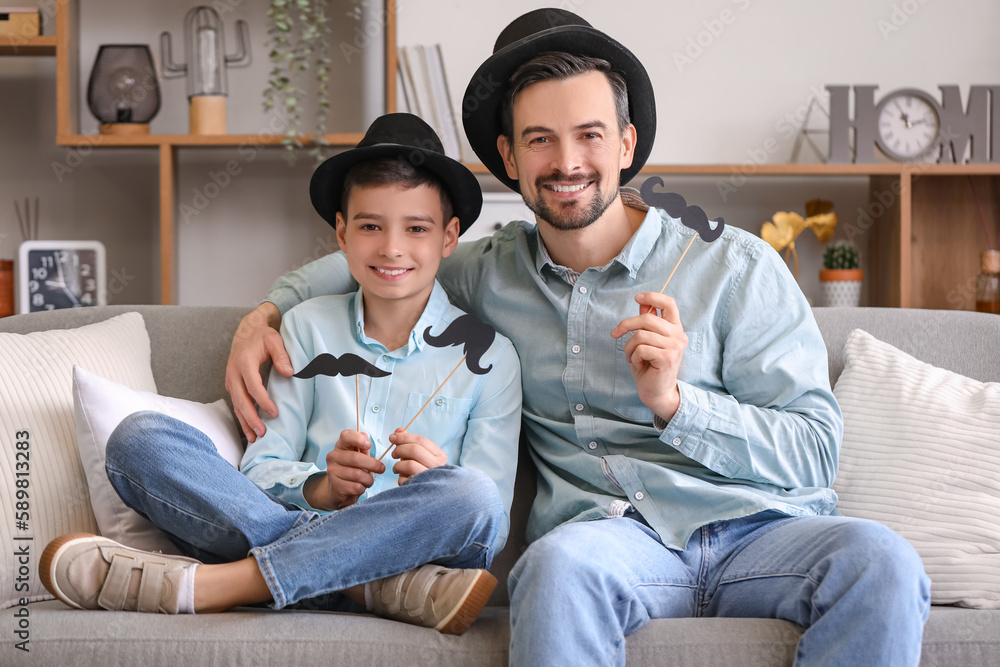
{"type": "Point", "coordinates": [909, 125]}
{"type": "Point", "coordinates": [70, 275]}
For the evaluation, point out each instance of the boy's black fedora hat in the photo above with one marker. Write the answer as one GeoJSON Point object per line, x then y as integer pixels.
{"type": "Point", "coordinates": [530, 35]}
{"type": "Point", "coordinates": [408, 137]}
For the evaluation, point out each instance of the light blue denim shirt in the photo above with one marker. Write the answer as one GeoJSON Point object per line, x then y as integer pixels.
{"type": "Point", "coordinates": [758, 427]}
{"type": "Point", "coordinates": [474, 418]}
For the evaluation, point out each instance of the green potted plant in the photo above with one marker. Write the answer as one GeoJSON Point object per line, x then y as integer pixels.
{"type": "Point", "coordinates": [841, 275]}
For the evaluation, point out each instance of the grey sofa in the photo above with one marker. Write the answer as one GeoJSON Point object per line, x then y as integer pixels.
{"type": "Point", "coordinates": [189, 350]}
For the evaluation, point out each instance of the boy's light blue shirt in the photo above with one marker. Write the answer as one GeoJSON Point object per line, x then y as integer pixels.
{"type": "Point", "coordinates": [758, 427]}
{"type": "Point", "coordinates": [474, 419]}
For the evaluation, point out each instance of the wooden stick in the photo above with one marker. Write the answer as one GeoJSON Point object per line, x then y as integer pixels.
{"type": "Point", "coordinates": [357, 403]}
{"type": "Point", "coordinates": [427, 402]}
{"type": "Point", "coordinates": [675, 269]}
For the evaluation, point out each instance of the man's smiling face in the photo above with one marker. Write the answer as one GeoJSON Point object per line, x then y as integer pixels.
{"type": "Point", "coordinates": [567, 153]}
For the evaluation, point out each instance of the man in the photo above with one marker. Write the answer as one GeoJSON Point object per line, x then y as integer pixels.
{"type": "Point", "coordinates": [684, 465]}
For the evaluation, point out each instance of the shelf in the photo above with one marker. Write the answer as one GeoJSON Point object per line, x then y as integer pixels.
{"type": "Point", "coordinates": [44, 45]}
{"type": "Point", "coordinates": [65, 47]}
{"type": "Point", "coordinates": [191, 140]}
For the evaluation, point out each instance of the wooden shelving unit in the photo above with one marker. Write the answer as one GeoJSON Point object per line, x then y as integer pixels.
{"type": "Point", "coordinates": [65, 48]}
{"type": "Point", "coordinates": [44, 45]}
{"type": "Point", "coordinates": [923, 240]}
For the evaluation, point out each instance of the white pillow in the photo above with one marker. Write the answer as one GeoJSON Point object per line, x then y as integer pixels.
{"type": "Point", "coordinates": [36, 410]}
{"type": "Point", "coordinates": [100, 406]}
{"type": "Point", "coordinates": [921, 454]}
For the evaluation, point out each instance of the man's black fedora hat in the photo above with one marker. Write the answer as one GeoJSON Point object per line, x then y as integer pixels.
{"type": "Point", "coordinates": [404, 136]}
{"type": "Point", "coordinates": [534, 33]}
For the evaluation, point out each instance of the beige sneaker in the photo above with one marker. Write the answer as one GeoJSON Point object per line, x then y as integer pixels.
{"type": "Point", "coordinates": [91, 572]}
{"type": "Point", "coordinates": [434, 596]}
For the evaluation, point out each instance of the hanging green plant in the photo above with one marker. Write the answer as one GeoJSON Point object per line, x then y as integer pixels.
{"type": "Point", "coordinates": [297, 35]}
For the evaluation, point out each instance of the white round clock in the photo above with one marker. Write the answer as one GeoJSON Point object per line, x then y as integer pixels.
{"type": "Point", "coordinates": [909, 124]}
{"type": "Point", "coordinates": [61, 274]}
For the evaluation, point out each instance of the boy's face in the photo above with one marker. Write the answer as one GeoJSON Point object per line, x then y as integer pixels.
{"type": "Point", "coordinates": [394, 238]}
{"type": "Point", "coordinates": [567, 154]}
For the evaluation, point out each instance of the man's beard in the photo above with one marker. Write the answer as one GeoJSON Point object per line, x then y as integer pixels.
{"type": "Point", "coordinates": [570, 219]}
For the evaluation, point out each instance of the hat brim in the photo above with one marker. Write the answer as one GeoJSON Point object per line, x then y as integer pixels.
{"type": "Point", "coordinates": [327, 185]}
{"type": "Point", "coordinates": [484, 96]}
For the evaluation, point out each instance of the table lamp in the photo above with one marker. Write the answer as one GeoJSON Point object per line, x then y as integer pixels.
{"type": "Point", "coordinates": [206, 65]}
{"type": "Point", "coordinates": [123, 92]}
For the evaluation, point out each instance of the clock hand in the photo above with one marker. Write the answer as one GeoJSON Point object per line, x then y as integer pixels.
{"type": "Point", "coordinates": [71, 295]}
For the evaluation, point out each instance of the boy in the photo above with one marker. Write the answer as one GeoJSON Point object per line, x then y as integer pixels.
{"type": "Point", "coordinates": [368, 364]}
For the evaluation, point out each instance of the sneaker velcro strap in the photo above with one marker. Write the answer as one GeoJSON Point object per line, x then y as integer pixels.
{"type": "Point", "coordinates": [114, 592]}
{"type": "Point", "coordinates": [150, 588]}
{"type": "Point", "coordinates": [418, 594]}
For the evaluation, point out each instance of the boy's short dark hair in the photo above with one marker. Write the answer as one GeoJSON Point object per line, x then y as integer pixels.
{"type": "Point", "coordinates": [394, 171]}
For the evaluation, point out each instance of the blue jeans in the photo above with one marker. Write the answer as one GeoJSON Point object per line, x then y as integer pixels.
{"type": "Point", "coordinates": [170, 473]}
{"type": "Point", "coordinates": [857, 588]}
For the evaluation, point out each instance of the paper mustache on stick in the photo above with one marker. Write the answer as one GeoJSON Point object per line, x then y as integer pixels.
{"type": "Point", "coordinates": [467, 330]}
{"type": "Point", "coordinates": [473, 333]}
{"type": "Point", "coordinates": [347, 365]}
{"type": "Point", "coordinates": [692, 217]}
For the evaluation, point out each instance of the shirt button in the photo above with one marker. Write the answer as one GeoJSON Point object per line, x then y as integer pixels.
{"type": "Point", "coordinates": [386, 357]}
{"type": "Point", "coordinates": [639, 495]}
{"type": "Point", "coordinates": [440, 401]}
{"type": "Point", "coordinates": [583, 290]}
{"type": "Point", "coordinates": [677, 441]}
{"type": "Point", "coordinates": [592, 445]}
{"type": "Point", "coordinates": [579, 407]}
{"type": "Point", "coordinates": [576, 349]}
{"type": "Point", "coordinates": [375, 408]}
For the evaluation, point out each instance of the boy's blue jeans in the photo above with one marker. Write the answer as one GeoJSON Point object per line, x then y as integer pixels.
{"type": "Point", "coordinates": [858, 588]}
{"type": "Point", "coordinates": [170, 473]}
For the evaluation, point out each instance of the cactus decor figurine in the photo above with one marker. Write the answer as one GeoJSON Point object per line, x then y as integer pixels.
{"type": "Point", "coordinates": [841, 275]}
{"type": "Point", "coordinates": [205, 50]}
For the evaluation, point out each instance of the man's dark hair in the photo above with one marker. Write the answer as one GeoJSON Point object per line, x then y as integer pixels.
{"type": "Point", "coordinates": [556, 65]}
{"type": "Point", "coordinates": [394, 171]}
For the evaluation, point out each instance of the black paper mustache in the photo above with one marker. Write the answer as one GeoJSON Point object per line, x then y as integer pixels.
{"type": "Point", "coordinates": [692, 217]}
{"type": "Point", "coordinates": [347, 365]}
{"type": "Point", "coordinates": [468, 330]}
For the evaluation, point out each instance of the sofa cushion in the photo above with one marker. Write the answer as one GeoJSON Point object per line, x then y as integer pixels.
{"type": "Point", "coordinates": [101, 405]}
{"type": "Point", "coordinates": [44, 489]}
{"type": "Point", "coordinates": [921, 455]}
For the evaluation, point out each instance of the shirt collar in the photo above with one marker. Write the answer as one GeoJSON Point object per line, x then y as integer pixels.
{"type": "Point", "coordinates": [436, 306]}
{"type": "Point", "coordinates": [632, 255]}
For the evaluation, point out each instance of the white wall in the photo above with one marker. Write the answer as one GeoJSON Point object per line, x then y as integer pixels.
{"type": "Point", "coordinates": [717, 106]}
{"type": "Point", "coordinates": [725, 104]}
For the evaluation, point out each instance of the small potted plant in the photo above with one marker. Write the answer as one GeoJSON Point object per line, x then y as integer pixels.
{"type": "Point", "coordinates": [841, 276]}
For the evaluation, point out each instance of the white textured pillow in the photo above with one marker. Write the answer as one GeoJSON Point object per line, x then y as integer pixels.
{"type": "Point", "coordinates": [921, 454]}
{"type": "Point", "coordinates": [100, 406]}
{"type": "Point", "coordinates": [39, 458]}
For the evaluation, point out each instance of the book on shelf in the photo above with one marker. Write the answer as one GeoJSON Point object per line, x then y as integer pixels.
{"type": "Point", "coordinates": [425, 89]}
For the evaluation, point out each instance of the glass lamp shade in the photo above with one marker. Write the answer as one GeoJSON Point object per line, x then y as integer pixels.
{"type": "Point", "coordinates": [123, 87]}
{"type": "Point", "coordinates": [206, 52]}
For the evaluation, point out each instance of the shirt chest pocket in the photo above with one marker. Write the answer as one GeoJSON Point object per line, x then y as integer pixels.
{"type": "Point", "coordinates": [443, 421]}
{"type": "Point", "coordinates": [626, 395]}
